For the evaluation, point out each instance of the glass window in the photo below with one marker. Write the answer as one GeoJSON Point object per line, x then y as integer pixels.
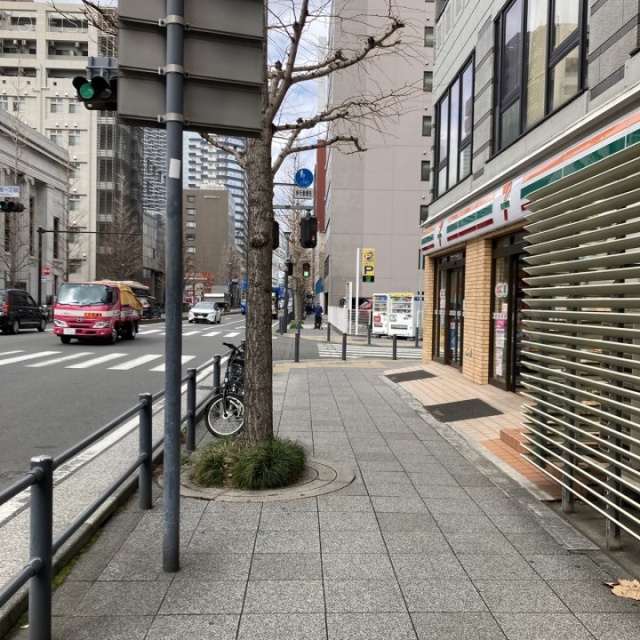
{"type": "Point", "coordinates": [191, 249]}
{"type": "Point", "coordinates": [191, 212]}
{"type": "Point", "coordinates": [74, 138]}
{"type": "Point", "coordinates": [425, 173]}
{"type": "Point", "coordinates": [539, 67]}
{"type": "Point", "coordinates": [426, 125]}
{"type": "Point", "coordinates": [424, 213]}
{"type": "Point", "coordinates": [56, 105]}
{"type": "Point", "coordinates": [74, 106]}
{"type": "Point", "coordinates": [428, 37]}
{"type": "Point", "coordinates": [191, 198]}
{"type": "Point", "coordinates": [190, 224]}
{"type": "Point", "coordinates": [56, 135]}
{"type": "Point", "coordinates": [427, 81]}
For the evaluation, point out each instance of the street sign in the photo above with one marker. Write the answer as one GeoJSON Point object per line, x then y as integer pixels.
{"type": "Point", "coordinates": [304, 178]}
{"type": "Point", "coordinates": [223, 65]}
{"type": "Point", "coordinates": [368, 265]}
{"type": "Point", "coordinates": [46, 271]}
{"type": "Point", "coordinates": [9, 192]}
{"type": "Point", "coordinates": [303, 194]}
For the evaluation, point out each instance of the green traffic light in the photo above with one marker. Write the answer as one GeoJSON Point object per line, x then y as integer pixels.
{"type": "Point", "coordinates": [86, 91]}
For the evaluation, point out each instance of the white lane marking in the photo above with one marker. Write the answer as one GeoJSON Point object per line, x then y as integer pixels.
{"type": "Point", "coordinates": [233, 334]}
{"type": "Point", "coordinates": [8, 353]}
{"type": "Point", "coordinates": [130, 364]}
{"type": "Point", "coordinates": [190, 333]}
{"type": "Point", "coordinates": [146, 332]}
{"type": "Point", "coordinates": [185, 359]}
{"type": "Point", "coordinates": [211, 334]}
{"type": "Point", "coordinates": [29, 356]}
{"type": "Point", "coordinates": [63, 359]}
{"type": "Point", "coordinates": [95, 361]}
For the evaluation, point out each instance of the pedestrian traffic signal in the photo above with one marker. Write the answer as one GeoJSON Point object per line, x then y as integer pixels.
{"type": "Point", "coordinates": [308, 232]}
{"type": "Point", "coordinates": [97, 93]}
{"type": "Point", "coordinates": [306, 269]}
{"type": "Point", "coordinates": [275, 236]}
{"type": "Point", "coordinates": [289, 267]}
{"type": "Point", "coordinates": [11, 207]}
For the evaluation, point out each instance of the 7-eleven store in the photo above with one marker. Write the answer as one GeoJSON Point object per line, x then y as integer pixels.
{"type": "Point", "coordinates": [535, 287]}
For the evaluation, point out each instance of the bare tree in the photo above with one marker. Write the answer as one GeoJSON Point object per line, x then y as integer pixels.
{"type": "Point", "coordinates": [289, 30]}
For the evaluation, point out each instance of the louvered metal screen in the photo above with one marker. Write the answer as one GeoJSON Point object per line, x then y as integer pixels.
{"type": "Point", "coordinates": [582, 338]}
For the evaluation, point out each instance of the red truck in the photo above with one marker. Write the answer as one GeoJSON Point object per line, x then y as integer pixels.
{"type": "Point", "coordinates": [105, 309]}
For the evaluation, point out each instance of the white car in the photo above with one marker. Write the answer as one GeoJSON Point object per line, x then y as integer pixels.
{"type": "Point", "coordinates": [205, 311]}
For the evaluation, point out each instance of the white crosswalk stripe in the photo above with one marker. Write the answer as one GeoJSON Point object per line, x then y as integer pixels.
{"type": "Point", "coordinates": [95, 361]}
{"type": "Point", "coordinates": [233, 334]}
{"type": "Point", "coordinates": [74, 356]}
{"type": "Point", "coordinates": [210, 334]}
{"type": "Point", "coordinates": [27, 356]}
{"type": "Point", "coordinates": [136, 362]}
{"type": "Point", "coordinates": [335, 351]}
{"type": "Point", "coordinates": [185, 359]}
{"type": "Point", "coordinates": [9, 353]}
{"type": "Point", "coordinates": [190, 333]}
{"type": "Point", "coordinates": [146, 332]}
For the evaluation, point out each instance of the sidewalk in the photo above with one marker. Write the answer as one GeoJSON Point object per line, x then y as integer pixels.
{"type": "Point", "coordinates": [431, 540]}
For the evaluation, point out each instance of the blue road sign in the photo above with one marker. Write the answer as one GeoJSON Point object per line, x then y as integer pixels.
{"type": "Point", "coordinates": [304, 178]}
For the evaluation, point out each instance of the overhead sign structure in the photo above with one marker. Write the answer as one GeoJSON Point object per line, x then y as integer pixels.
{"type": "Point", "coordinates": [368, 265]}
{"type": "Point", "coordinates": [303, 194]}
{"type": "Point", "coordinates": [9, 192]}
{"type": "Point", "coordinates": [303, 178]}
{"type": "Point", "coordinates": [223, 65]}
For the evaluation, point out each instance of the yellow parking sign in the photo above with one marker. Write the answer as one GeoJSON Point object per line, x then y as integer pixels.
{"type": "Point", "coordinates": [368, 265]}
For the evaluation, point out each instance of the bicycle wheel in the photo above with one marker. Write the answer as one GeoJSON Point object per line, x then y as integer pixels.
{"type": "Point", "coordinates": [225, 415]}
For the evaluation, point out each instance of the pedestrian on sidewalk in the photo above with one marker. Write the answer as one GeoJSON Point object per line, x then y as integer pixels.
{"type": "Point", "coordinates": [317, 312]}
{"type": "Point", "coordinates": [308, 310]}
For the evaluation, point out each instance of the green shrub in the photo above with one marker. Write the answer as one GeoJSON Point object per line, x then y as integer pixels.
{"type": "Point", "coordinates": [269, 464]}
{"type": "Point", "coordinates": [214, 463]}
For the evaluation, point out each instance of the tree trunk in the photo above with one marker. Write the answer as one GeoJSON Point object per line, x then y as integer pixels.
{"type": "Point", "coordinates": [258, 397]}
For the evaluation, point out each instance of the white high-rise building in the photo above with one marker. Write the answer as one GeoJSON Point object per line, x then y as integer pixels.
{"type": "Point", "coordinates": [204, 163]}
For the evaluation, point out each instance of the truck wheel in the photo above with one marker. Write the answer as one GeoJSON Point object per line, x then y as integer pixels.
{"type": "Point", "coordinates": [113, 337]}
{"type": "Point", "coordinates": [65, 339]}
{"type": "Point", "coordinates": [130, 331]}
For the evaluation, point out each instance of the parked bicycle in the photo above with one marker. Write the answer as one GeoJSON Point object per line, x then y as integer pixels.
{"type": "Point", "coordinates": [224, 415]}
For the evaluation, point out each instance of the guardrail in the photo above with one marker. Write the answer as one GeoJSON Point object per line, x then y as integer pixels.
{"type": "Point", "coordinates": [38, 571]}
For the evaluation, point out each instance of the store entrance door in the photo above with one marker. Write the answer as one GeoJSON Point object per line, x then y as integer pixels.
{"type": "Point", "coordinates": [506, 312]}
{"type": "Point", "coordinates": [449, 310]}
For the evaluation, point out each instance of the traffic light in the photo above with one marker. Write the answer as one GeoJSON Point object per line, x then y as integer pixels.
{"type": "Point", "coordinates": [309, 232]}
{"type": "Point", "coordinates": [275, 237]}
{"type": "Point", "coordinates": [306, 269]}
{"type": "Point", "coordinates": [97, 93]}
{"type": "Point", "coordinates": [11, 207]}
{"type": "Point", "coordinates": [289, 267]}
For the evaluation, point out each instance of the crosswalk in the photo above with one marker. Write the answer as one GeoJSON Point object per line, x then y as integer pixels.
{"type": "Point", "coordinates": [333, 351]}
{"type": "Point", "coordinates": [110, 361]}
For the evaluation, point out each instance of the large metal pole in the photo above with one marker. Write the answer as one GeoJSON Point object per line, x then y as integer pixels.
{"type": "Point", "coordinates": [357, 305]}
{"type": "Point", "coordinates": [285, 324]}
{"type": "Point", "coordinates": [174, 116]}
{"type": "Point", "coordinates": [40, 232]}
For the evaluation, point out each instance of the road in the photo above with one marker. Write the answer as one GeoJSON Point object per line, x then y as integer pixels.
{"type": "Point", "coordinates": [53, 395]}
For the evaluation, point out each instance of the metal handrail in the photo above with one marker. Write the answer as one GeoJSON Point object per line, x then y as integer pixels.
{"type": "Point", "coordinates": [38, 571]}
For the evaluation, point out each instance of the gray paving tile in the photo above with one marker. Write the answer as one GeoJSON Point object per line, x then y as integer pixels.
{"type": "Point", "coordinates": [189, 597]}
{"type": "Point", "coordinates": [303, 504]}
{"type": "Point", "coordinates": [127, 598]}
{"type": "Point", "coordinates": [361, 596]}
{"type": "Point", "coordinates": [591, 596]}
{"type": "Point", "coordinates": [441, 492]}
{"type": "Point", "coordinates": [496, 566]}
{"type": "Point", "coordinates": [534, 626]}
{"type": "Point", "coordinates": [488, 542]}
{"type": "Point", "coordinates": [385, 489]}
{"type": "Point", "coordinates": [286, 566]}
{"type": "Point", "coordinates": [380, 465]}
{"type": "Point", "coordinates": [141, 564]}
{"type": "Point", "coordinates": [391, 477]}
{"type": "Point", "coordinates": [342, 521]}
{"type": "Point", "coordinates": [522, 523]}
{"type": "Point", "coordinates": [359, 626]}
{"type": "Point", "coordinates": [357, 566]}
{"type": "Point", "coordinates": [455, 595]}
{"type": "Point", "coordinates": [119, 627]}
{"type": "Point", "coordinates": [456, 523]}
{"type": "Point", "coordinates": [571, 566]}
{"type": "Point", "coordinates": [396, 522]}
{"type": "Point", "coordinates": [231, 507]}
{"type": "Point", "coordinates": [188, 627]}
{"type": "Point", "coordinates": [431, 541]}
{"type": "Point", "coordinates": [539, 543]}
{"type": "Point", "coordinates": [473, 480]}
{"type": "Point", "coordinates": [204, 541]}
{"type": "Point", "coordinates": [289, 521]}
{"type": "Point", "coordinates": [611, 626]}
{"type": "Point", "coordinates": [352, 542]}
{"type": "Point", "coordinates": [349, 504]}
{"type": "Point", "coordinates": [400, 504]}
{"type": "Point", "coordinates": [234, 520]}
{"type": "Point", "coordinates": [279, 596]}
{"type": "Point", "coordinates": [410, 567]}
{"type": "Point", "coordinates": [519, 596]}
{"type": "Point", "coordinates": [433, 476]}
{"type": "Point", "coordinates": [456, 626]}
{"type": "Point", "coordinates": [281, 626]}
{"type": "Point", "coordinates": [213, 566]}
{"type": "Point", "coordinates": [294, 541]}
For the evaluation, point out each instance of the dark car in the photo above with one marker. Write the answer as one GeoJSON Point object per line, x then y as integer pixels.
{"type": "Point", "coordinates": [150, 307]}
{"type": "Point", "coordinates": [18, 310]}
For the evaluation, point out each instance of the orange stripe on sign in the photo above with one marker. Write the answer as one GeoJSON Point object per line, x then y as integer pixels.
{"type": "Point", "coordinates": [471, 207]}
{"type": "Point", "coordinates": [590, 142]}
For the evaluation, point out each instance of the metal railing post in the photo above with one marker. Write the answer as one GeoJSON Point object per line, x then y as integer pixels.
{"type": "Point", "coordinates": [216, 373]}
{"type": "Point", "coordinates": [145, 473]}
{"type": "Point", "coordinates": [344, 346]}
{"type": "Point", "coordinates": [191, 410]}
{"type": "Point", "coordinates": [395, 347]}
{"type": "Point", "coordinates": [41, 549]}
{"type": "Point", "coordinates": [296, 345]}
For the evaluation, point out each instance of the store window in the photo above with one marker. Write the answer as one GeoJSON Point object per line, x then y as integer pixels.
{"type": "Point", "coordinates": [539, 66]}
{"type": "Point", "coordinates": [449, 309]}
{"type": "Point", "coordinates": [454, 122]}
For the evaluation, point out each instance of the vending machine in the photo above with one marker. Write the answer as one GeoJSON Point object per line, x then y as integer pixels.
{"type": "Point", "coordinates": [380, 314]}
{"type": "Point", "coordinates": [401, 314]}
